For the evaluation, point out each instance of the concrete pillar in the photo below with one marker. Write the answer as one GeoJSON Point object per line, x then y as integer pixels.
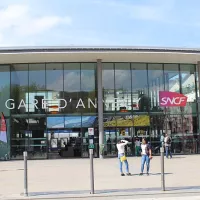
{"type": "Point", "coordinates": [100, 106]}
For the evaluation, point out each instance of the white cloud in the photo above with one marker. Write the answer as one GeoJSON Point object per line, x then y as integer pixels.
{"type": "Point", "coordinates": [39, 25]}
{"type": "Point", "coordinates": [20, 21]}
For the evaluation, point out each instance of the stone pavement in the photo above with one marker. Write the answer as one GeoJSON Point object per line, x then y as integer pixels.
{"type": "Point", "coordinates": [54, 179]}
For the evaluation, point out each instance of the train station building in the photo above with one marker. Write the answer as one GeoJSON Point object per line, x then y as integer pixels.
{"type": "Point", "coordinates": [50, 96]}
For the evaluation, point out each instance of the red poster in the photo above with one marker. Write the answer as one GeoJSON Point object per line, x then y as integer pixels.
{"type": "Point", "coordinates": [3, 129]}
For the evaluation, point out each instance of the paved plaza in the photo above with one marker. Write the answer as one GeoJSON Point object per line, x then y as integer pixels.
{"type": "Point", "coordinates": [71, 178]}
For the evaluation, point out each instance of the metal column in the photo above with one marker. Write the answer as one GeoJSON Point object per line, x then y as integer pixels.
{"type": "Point", "coordinates": [91, 172]}
{"type": "Point", "coordinates": [198, 103]}
{"type": "Point", "coordinates": [100, 106]}
{"type": "Point", "coordinates": [25, 175]}
{"type": "Point", "coordinates": [162, 167]}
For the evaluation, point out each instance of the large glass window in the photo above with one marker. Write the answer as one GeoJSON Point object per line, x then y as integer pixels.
{"type": "Point", "coordinates": [108, 87]}
{"type": "Point", "coordinates": [188, 87]}
{"type": "Point", "coordinates": [172, 83]}
{"type": "Point", "coordinates": [19, 88]}
{"type": "Point", "coordinates": [123, 87]}
{"type": "Point", "coordinates": [36, 88]}
{"type": "Point", "coordinates": [4, 89]}
{"type": "Point", "coordinates": [140, 99]}
{"type": "Point", "coordinates": [4, 96]}
{"type": "Point", "coordinates": [88, 87]}
{"type": "Point", "coordinates": [156, 84]}
{"type": "Point", "coordinates": [72, 81]}
{"type": "Point", "coordinates": [54, 87]}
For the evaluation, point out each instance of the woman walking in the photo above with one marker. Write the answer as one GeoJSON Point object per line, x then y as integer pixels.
{"type": "Point", "coordinates": [146, 155]}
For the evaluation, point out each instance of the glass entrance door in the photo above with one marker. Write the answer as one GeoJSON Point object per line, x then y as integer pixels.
{"type": "Point", "coordinates": [64, 143]}
{"type": "Point", "coordinates": [85, 143]}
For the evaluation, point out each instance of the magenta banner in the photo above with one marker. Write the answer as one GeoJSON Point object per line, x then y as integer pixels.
{"type": "Point", "coordinates": [172, 99]}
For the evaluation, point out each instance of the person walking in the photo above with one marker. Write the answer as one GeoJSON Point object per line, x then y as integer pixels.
{"type": "Point", "coordinates": [137, 147]}
{"type": "Point", "coordinates": [168, 142]}
{"type": "Point", "coordinates": [146, 155]}
{"type": "Point", "coordinates": [122, 157]}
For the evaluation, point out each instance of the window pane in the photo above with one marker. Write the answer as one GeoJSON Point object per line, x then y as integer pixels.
{"type": "Point", "coordinates": [123, 87]}
{"type": "Point", "coordinates": [36, 88]}
{"type": "Point", "coordinates": [156, 84]}
{"type": "Point", "coordinates": [188, 87]}
{"type": "Point", "coordinates": [88, 87]}
{"type": "Point", "coordinates": [108, 87]}
{"type": "Point", "coordinates": [140, 100]}
{"type": "Point", "coordinates": [72, 87]}
{"type": "Point", "coordinates": [4, 89]}
{"type": "Point", "coordinates": [19, 88]}
{"type": "Point", "coordinates": [54, 87]}
{"type": "Point", "coordinates": [172, 83]}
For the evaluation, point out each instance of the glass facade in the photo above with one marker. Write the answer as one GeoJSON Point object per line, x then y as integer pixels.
{"type": "Point", "coordinates": [48, 108]}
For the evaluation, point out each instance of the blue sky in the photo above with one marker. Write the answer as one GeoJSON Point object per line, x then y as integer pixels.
{"type": "Point", "coordinates": [171, 23]}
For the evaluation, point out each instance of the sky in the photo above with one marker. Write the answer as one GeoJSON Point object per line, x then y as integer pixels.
{"type": "Point", "coordinates": [159, 23]}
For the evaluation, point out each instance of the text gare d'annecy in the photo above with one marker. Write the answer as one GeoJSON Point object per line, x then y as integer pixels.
{"type": "Point", "coordinates": [45, 103]}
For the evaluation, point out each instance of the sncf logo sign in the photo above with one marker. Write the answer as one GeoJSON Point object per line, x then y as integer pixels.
{"type": "Point", "coordinates": [172, 99]}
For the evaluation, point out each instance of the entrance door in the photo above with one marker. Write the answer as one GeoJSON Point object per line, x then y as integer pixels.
{"type": "Point", "coordinates": [64, 143]}
{"type": "Point", "coordinates": [85, 143]}
{"type": "Point", "coordinates": [126, 133]}
{"type": "Point", "coordinates": [110, 141]}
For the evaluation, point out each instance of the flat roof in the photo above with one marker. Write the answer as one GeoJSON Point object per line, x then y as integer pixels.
{"type": "Point", "coordinates": [95, 48]}
{"type": "Point", "coordinates": [9, 55]}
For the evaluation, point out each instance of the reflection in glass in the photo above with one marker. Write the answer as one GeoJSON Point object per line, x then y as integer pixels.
{"type": "Point", "coordinates": [140, 100]}
{"type": "Point", "coordinates": [54, 87]}
{"type": "Point", "coordinates": [19, 88]}
{"type": "Point", "coordinates": [108, 86]}
{"type": "Point", "coordinates": [156, 84]}
{"type": "Point", "coordinates": [4, 88]}
{"type": "Point", "coordinates": [122, 87]}
{"type": "Point", "coordinates": [88, 88]}
{"type": "Point", "coordinates": [36, 88]}
{"type": "Point", "coordinates": [188, 87]}
{"type": "Point", "coordinates": [72, 87]}
{"type": "Point", "coordinates": [172, 83]}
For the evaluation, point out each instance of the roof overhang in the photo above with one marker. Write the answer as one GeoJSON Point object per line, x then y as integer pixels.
{"type": "Point", "coordinates": [91, 54]}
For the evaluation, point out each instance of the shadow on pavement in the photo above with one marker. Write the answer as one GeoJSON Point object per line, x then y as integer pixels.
{"type": "Point", "coordinates": [115, 191]}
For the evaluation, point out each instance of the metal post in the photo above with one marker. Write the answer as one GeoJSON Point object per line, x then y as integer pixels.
{"type": "Point", "coordinates": [100, 106]}
{"type": "Point", "coordinates": [162, 168]}
{"type": "Point", "coordinates": [91, 172]}
{"type": "Point", "coordinates": [25, 175]}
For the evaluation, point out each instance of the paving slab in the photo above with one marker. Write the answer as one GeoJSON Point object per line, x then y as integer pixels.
{"type": "Point", "coordinates": [70, 178]}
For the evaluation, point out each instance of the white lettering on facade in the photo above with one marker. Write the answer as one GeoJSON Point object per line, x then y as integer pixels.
{"type": "Point", "coordinates": [65, 103]}
{"type": "Point", "coordinates": [80, 103]}
{"type": "Point", "coordinates": [22, 104]}
{"type": "Point", "coordinates": [35, 103]}
{"type": "Point", "coordinates": [173, 101]}
{"type": "Point", "coordinates": [108, 103]}
{"type": "Point", "coordinates": [44, 104]}
{"type": "Point", "coordinates": [12, 105]}
{"type": "Point", "coordinates": [91, 102]}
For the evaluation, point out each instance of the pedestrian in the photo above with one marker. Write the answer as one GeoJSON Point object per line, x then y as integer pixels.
{"type": "Point", "coordinates": [122, 157]}
{"type": "Point", "coordinates": [168, 142]}
{"type": "Point", "coordinates": [146, 155]}
{"type": "Point", "coordinates": [137, 147]}
{"type": "Point", "coordinates": [162, 140]}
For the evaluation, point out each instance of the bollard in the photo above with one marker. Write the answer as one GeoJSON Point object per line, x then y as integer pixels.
{"type": "Point", "coordinates": [91, 172]}
{"type": "Point", "coordinates": [162, 168]}
{"type": "Point", "coordinates": [25, 175]}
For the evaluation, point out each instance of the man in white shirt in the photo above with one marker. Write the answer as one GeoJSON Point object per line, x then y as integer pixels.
{"type": "Point", "coordinates": [121, 152]}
